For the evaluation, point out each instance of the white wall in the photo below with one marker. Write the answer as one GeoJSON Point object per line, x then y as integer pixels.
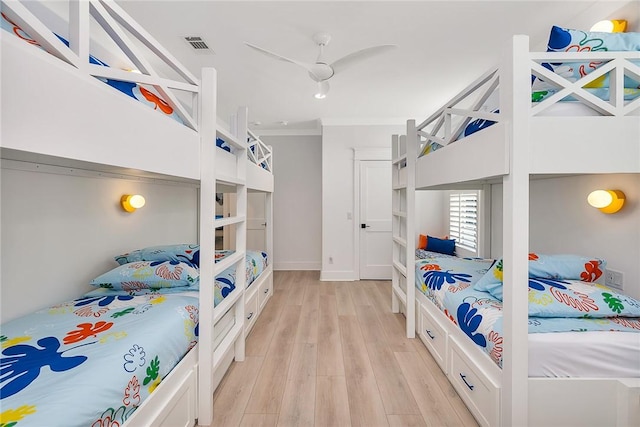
{"type": "Point", "coordinates": [297, 201]}
{"type": "Point", "coordinates": [338, 236]}
{"type": "Point", "coordinates": [432, 214]}
{"type": "Point", "coordinates": [60, 231]}
{"type": "Point", "coordinates": [561, 221]}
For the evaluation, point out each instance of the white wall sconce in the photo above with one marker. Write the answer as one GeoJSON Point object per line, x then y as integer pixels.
{"type": "Point", "coordinates": [608, 201]}
{"type": "Point", "coordinates": [131, 202]}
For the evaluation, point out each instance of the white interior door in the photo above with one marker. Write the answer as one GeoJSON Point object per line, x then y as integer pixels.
{"type": "Point", "coordinates": [256, 222]}
{"type": "Point", "coordinates": [375, 219]}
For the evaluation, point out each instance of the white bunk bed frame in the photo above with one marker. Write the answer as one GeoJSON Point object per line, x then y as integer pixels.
{"type": "Point", "coordinates": [142, 143]}
{"type": "Point", "coordinates": [517, 147]}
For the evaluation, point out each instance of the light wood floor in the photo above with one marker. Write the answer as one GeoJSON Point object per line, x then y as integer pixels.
{"type": "Point", "coordinates": [333, 354]}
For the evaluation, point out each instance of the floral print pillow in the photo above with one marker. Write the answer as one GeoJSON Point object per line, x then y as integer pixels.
{"type": "Point", "coordinates": [140, 275]}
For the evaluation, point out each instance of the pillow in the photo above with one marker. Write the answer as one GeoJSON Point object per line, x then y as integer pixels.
{"type": "Point", "coordinates": [443, 246]}
{"type": "Point", "coordinates": [187, 253]}
{"type": "Point", "coordinates": [491, 282]}
{"type": "Point", "coordinates": [556, 267]}
{"type": "Point", "coordinates": [148, 275]}
{"type": "Point", "coordinates": [568, 40]}
{"type": "Point", "coordinates": [422, 242]}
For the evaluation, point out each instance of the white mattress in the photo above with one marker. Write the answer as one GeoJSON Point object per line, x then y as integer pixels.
{"type": "Point", "coordinates": [585, 355]}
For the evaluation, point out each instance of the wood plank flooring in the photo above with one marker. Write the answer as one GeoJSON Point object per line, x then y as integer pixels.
{"type": "Point", "coordinates": [333, 354]}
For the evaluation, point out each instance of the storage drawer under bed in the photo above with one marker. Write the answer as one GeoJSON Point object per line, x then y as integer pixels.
{"type": "Point", "coordinates": [480, 394]}
{"type": "Point", "coordinates": [250, 312]}
{"type": "Point", "coordinates": [265, 291]}
{"type": "Point", "coordinates": [434, 337]}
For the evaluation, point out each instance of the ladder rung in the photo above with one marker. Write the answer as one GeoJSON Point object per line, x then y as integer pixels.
{"type": "Point", "coordinates": [228, 262]}
{"type": "Point", "coordinates": [224, 305]}
{"type": "Point", "coordinates": [231, 139]}
{"type": "Point", "coordinates": [400, 214]}
{"type": "Point", "coordinates": [228, 221]}
{"type": "Point", "coordinates": [399, 159]}
{"type": "Point", "coordinates": [400, 293]}
{"type": "Point", "coordinates": [233, 180]}
{"type": "Point", "coordinates": [399, 240]}
{"type": "Point", "coordinates": [232, 335]}
{"type": "Point", "coordinates": [400, 187]}
{"type": "Point", "coordinates": [401, 268]}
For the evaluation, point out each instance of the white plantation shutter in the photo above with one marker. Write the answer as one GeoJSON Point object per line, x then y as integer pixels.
{"type": "Point", "coordinates": [463, 220]}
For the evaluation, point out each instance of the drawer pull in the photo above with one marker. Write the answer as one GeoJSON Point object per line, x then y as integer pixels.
{"type": "Point", "coordinates": [430, 334]}
{"type": "Point", "coordinates": [464, 378]}
{"type": "Point", "coordinates": [250, 316]}
{"type": "Point", "coordinates": [266, 291]}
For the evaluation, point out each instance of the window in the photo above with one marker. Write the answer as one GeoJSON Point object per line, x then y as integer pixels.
{"type": "Point", "coordinates": [463, 220]}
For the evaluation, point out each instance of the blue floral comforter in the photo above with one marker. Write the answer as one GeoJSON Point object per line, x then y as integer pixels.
{"type": "Point", "coordinates": [256, 263]}
{"type": "Point", "coordinates": [91, 361]}
{"type": "Point", "coordinates": [448, 283]}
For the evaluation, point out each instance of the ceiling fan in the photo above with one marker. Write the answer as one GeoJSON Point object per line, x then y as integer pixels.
{"type": "Point", "coordinates": [321, 71]}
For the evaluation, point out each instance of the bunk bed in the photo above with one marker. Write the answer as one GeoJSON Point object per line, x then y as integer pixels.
{"type": "Point", "coordinates": [90, 116]}
{"type": "Point", "coordinates": [515, 145]}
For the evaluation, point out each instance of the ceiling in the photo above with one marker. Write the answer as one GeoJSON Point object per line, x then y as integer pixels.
{"type": "Point", "coordinates": [441, 47]}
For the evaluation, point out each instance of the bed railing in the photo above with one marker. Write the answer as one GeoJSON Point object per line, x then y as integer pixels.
{"type": "Point", "coordinates": [259, 153]}
{"type": "Point", "coordinates": [615, 65]}
{"type": "Point", "coordinates": [119, 26]}
{"type": "Point", "coordinates": [448, 123]}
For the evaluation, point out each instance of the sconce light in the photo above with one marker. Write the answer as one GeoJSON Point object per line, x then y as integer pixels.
{"type": "Point", "coordinates": [610, 26]}
{"type": "Point", "coordinates": [131, 202]}
{"type": "Point", "coordinates": [608, 201]}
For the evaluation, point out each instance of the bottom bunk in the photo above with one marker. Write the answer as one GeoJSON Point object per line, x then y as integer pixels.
{"type": "Point", "coordinates": [132, 343]}
{"type": "Point", "coordinates": [583, 371]}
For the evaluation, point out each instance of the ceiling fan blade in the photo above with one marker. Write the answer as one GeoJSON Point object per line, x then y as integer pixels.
{"type": "Point", "coordinates": [279, 57]}
{"type": "Point", "coordinates": [360, 55]}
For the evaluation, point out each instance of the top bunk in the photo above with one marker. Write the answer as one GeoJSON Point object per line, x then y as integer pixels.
{"type": "Point", "coordinates": [577, 112]}
{"type": "Point", "coordinates": [93, 90]}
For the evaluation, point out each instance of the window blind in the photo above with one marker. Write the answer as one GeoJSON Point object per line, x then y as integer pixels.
{"type": "Point", "coordinates": [463, 220]}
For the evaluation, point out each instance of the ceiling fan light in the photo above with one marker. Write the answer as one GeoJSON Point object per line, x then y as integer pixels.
{"type": "Point", "coordinates": [323, 89]}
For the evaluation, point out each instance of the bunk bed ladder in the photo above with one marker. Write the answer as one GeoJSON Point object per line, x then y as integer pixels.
{"type": "Point", "coordinates": [403, 205]}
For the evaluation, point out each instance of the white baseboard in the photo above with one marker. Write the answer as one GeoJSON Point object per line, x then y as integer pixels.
{"type": "Point", "coordinates": [303, 265]}
{"type": "Point", "coordinates": [337, 276]}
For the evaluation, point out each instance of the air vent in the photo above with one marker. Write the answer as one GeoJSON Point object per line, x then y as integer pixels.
{"type": "Point", "coordinates": [198, 44]}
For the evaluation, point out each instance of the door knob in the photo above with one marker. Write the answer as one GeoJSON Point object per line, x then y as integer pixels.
{"type": "Point", "coordinates": [364, 226]}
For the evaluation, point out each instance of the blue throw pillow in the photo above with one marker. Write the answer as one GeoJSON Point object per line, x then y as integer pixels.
{"type": "Point", "coordinates": [443, 246]}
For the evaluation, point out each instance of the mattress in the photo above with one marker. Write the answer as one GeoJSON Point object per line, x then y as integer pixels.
{"type": "Point", "coordinates": [103, 356]}
{"type": "Point", "coordinates": [557, 345]}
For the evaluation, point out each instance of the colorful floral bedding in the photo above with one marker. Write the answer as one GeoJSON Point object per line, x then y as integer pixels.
{"type": "Point", "coordinates": [448, 283]}
{"type": "Point", "coordinates": [102, 355]}
{"type": "Point", "coordinates": [144, 94]}
{"type": "Point", "coordinates": [256, 263]}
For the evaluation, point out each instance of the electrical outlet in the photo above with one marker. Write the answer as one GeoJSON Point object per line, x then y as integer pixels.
{"type": "Point", "coordinates": [613, 278]}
